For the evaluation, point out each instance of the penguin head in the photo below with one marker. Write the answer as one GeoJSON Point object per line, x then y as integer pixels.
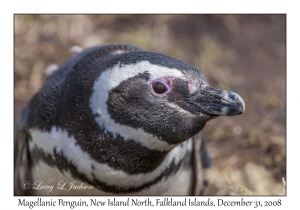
{"type": "Point", "coordinates": [157, 100]}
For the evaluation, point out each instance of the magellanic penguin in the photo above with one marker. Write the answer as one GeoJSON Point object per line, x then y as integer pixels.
{"type": "Point", "coordinates": [118, 120]}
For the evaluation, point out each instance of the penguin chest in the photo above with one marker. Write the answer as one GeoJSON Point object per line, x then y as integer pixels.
{"type": "Point", "coordinates": [60, 167]}
{"type": "Point", "coordinates": [47, 180]}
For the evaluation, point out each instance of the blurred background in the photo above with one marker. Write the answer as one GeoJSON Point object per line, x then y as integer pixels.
{"type": "Point", "coordinates": [242, 53]}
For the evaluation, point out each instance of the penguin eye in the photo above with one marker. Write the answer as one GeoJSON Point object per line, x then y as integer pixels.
{"type": "Point", "coordinates": [159, 88]}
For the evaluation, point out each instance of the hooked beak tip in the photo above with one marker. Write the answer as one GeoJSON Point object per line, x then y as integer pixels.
{"type": "Point", "coordinates": [240, 103]}
{"type": "Point", "coordinates": [236, 104]}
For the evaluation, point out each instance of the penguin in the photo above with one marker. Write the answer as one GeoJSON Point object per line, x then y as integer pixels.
{"type": "Point", "coordinates": [119, 120]}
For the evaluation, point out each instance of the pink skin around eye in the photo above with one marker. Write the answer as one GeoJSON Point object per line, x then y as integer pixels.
{"type": "Point", "coordinates": [167, 81]}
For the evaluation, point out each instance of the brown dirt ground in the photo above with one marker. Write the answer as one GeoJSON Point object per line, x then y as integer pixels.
{"type": "Point", "coordinates": [242, 53]}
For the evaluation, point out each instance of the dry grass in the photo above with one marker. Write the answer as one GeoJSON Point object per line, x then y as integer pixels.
{"type": "Point", "coordinates": [250, 180]}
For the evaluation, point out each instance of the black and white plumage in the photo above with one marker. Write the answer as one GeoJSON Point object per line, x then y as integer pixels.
{"type": "Point", "coordinates": [123, 120]}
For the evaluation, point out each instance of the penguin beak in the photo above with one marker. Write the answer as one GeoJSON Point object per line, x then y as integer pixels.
{"type": "Point", "coordinates": [218, 102]}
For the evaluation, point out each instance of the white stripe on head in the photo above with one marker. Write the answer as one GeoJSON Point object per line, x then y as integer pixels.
{"type": "Point", "coordinates": [60, 141]}
{"type": "Point", "coordinates": [110, 79]}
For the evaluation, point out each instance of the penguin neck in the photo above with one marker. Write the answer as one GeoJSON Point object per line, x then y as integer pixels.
{"type": "Point", "coordinates": [128, 155]}
{"type": "Point", "coordinates": [128, 133]}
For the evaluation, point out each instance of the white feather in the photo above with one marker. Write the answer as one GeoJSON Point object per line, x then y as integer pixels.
{"type": "Point", "coordinates": [60, 141]}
